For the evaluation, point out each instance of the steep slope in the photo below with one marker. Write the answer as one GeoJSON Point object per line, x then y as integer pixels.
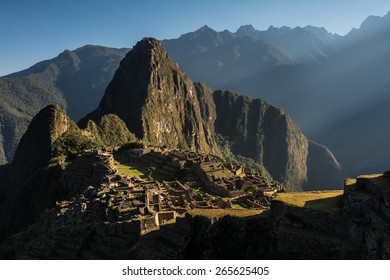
{"type": "Point", "coordinates": [75, 80]}
{"type": "Point", "coordinates": [158, 102]}
{"type": "Point", "coordinates": [266, 134]}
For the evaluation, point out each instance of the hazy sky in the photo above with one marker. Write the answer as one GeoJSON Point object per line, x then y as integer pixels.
{"type": "Point", "coordinates": [31, 31]}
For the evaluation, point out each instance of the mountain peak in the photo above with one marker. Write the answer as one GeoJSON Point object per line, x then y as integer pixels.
{"type": "Point", "coordinates": [205, 28]}
{"type": "Point", "coordinates": [149, 45]}
{"type": "Point", "coordinates": [371, 26]}
{"type": "Point", "coordinates": [149, 42]}
{"type": "Point", "coordinates": [246, 28]}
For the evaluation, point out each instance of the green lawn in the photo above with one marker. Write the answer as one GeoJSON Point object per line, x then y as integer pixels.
{"type": "Point", "coordinates": [140, 170]}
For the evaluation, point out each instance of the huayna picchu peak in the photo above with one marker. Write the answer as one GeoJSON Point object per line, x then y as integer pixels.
{"type": "Point", "coordinates": [158, 102]}
{"type": "Point", "coordinates": [159, 162]}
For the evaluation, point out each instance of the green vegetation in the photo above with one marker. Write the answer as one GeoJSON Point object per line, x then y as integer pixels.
{"type": "Point", "coordinates": [110, 131]}
{"type": "Point", "coordinates": [238, 206]}
{"type": "Point", "coordinates": [131, 145]}
{"type": "Point", "coordinates": [321, 200]}
{"type": "Point", "coordinates": [72, 143]}
{"type": "Point", "coordinates": [137, 169]}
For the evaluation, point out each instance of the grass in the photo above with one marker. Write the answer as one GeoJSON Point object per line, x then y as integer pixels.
{"type": "Point", "coordinates": [214, 213]}
{"type": "Point", "coordinates": [350, 182]}
{"type": "Point", "coordinates": [370, 176]}
{"type": "Point", "coordinates": [320, 200]}
{"type": "Point", "coordinates": [137, 169]}
{"type": "Point", "coordinates": [237, 206]}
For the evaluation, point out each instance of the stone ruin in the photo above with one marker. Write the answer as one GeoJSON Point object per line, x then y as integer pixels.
{"type": "Point", "coordinates": [197, 181]}
{"type": "Point", "coordinates": [214, 175]}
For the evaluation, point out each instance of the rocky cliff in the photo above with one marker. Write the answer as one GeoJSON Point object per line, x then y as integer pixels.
{"type": "Point", "coordinates": [266, 134]}
{"type": "Point", "coordinates": [158, 102]}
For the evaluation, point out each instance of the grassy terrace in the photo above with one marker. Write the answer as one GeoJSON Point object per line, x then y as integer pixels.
{"type": "Point", "coordinates": [321, 200]}
{"type": "Point", "coordinates": [214, 213]}
{"type": "Point", "coordinates": [140, 170]}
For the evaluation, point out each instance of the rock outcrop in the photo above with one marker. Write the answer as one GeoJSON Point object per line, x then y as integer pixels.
{"type": "Point", "coordinates": [158, 102]}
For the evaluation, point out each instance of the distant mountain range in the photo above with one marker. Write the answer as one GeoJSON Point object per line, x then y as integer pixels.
{"type": "Point", "coordinates": [324, 81]}
{"type": "Point", "coordinates": [334, 87]}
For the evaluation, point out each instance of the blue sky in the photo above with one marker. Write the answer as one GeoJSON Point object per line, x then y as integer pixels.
{"type": "Point", "coordinates": [34, 30]}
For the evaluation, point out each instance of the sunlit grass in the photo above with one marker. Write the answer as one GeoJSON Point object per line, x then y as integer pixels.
{"type": "Point", "coordinates": [237, 206]}
{"type": "Point", "coordinates": [214, 213]}
{"type": "Point", "coordinates": [321, 200]}
{"type": "Point", "coordinates": [136, 169]}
